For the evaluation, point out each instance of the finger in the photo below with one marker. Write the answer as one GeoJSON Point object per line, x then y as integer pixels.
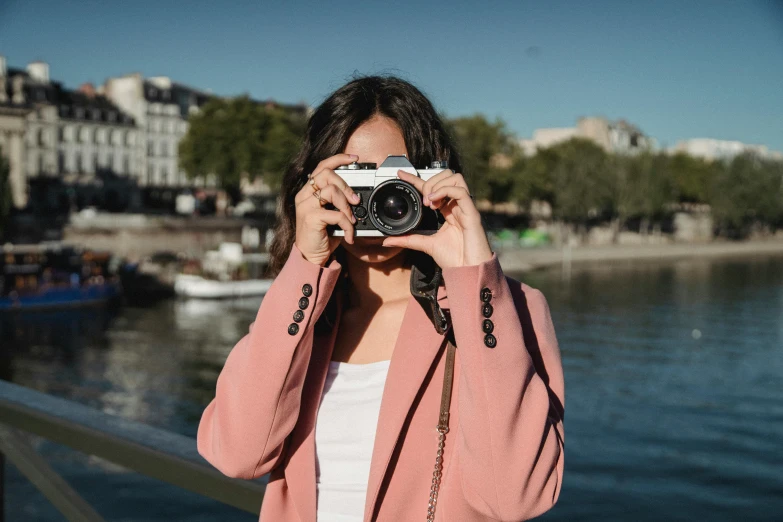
{"type": "Point", "coordinates": [335, 161]}
{"type": "Point", "coordinates": [336, 197]}
{"type": "Point", "coordinates": [452, 181]}
{"type": "Point", "coordinates": [334, 217]}
{"type": "Point", "coordinates": [413, 179]}
{"type": "Point", "coordinates": [434, 180]}
{"type": "Point", "coordinates": [330, 177]}
{"type": "Point", "coordinates": [418, 242]}
{"type": "Point", "coordinates": [458, 194]}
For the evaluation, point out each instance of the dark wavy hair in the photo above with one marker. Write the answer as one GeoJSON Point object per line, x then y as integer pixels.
{"type": "Point", "coordinates": [333, 123]}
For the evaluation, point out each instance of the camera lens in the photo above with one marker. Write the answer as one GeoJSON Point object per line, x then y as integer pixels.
{"type": "Point", "coordinates": [395, 207]}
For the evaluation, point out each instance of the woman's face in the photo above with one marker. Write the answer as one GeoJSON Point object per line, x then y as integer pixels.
{"type": "Point", "coordinates": [373, 141]}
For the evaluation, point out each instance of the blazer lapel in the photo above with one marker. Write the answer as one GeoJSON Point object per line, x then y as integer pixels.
{"type": "Point", "coordinates": [416, 347]}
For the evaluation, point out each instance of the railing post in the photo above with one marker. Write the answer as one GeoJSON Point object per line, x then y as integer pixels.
{"type": "Point", "coordinates": [2, 486]}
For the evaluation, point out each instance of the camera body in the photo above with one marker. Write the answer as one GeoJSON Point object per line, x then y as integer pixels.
{"type": "Point", "coordinates": [389, 206]}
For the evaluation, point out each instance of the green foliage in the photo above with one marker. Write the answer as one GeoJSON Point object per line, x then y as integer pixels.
{"type": "Point", "coordinates": [5, 192]}
{"type": "Point", "coordinates": [574, 177]}
{"type": "Point", "coordinates": [232, 137]}
{"type": "Point", "coordinates": [642, 186]}
{"type": "Point", "coordinates": [745, 191]}
{"type": "Point", "coordinates": [481, 143]}
{"type": "Point", "coordinates": [691, 178]}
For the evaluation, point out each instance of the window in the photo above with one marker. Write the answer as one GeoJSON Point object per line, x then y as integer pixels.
{"type": "Point", "coordinates": [41, 138]}
{"type": "Point", "coordinates": [164, 149]}
{"type": "Point", "coordinates": [112, 116]}
{"type": "Point", "coordinates": [129, 138]}
{"type": "Point", "coordinates": [84, 135]}
{"type": "Point", "coordinates": [79, 112]}
{"type": "Point", "coordinates": [100, 136]}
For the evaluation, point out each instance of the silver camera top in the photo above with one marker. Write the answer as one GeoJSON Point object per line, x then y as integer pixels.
{"type": "Point", "coordinates": [356, 174]}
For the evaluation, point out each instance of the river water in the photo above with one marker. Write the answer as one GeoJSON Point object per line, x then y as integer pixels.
{"type": "Point", "coordinates": [674, 391]}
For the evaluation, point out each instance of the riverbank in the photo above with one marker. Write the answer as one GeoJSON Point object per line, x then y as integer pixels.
{"type": "Point", "coordinates": [526, 259]}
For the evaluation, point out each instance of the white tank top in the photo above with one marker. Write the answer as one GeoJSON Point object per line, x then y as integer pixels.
{"type": "Point", "coordinates": [344, 438]}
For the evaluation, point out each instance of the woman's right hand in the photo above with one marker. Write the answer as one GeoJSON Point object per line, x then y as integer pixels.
{"type": "Point", "coordinates": [312, 218]}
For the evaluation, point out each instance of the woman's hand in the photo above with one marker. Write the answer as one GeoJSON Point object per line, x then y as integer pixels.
{"type": "Point", "coordinates": [312, 218]}
{"type": "Point", "coordinates": [461, 240]}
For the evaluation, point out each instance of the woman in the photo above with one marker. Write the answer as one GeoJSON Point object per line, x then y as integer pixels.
{"type": "Point", "coordinates": [336, 388]}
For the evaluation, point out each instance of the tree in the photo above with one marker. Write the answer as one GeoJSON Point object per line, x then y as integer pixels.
{"type": "Point", "coordinates": [691, 178]}
{"type": "Point", "coordinates": [574, 176]}
{"type": "Point", "coordinates": [231, 138]}
{"type": "Point", "coordinates": [5, 192]}
{"type": "Point", "coordinates": [745, 191]}
{"type": "Point", "coordinates": [486, 149]}
{"type": "Point", "coordinates": [642, 187]}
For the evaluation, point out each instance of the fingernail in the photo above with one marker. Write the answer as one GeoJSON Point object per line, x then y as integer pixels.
{"type": "Point", "coordinates": [429, 196]}
{"type": "Point", "coordinates": [354, 156]}
{"type": "Point", "coordinates": [353, 219]}
{"type": "Point", "coordinates": [355, 197]}
{"type": "Point", "coordinates": [426, 201]}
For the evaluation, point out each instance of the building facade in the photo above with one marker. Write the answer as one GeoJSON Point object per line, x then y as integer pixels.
{"type": "Point", "coordinates": [161, 109]}
{"type": "Point", "coordinates": [619, 137]}
{"type": "Point", "coordinates": [70, 134]}
{"type": "Point", "coordinates": [712, 149]}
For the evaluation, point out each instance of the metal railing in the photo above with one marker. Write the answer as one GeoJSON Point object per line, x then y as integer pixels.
{"type": "Point", "coordinates": [153, 452]}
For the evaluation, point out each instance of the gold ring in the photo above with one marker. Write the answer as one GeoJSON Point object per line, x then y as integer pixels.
{"type": "Point", "coordinates": [317, 194]}
{"type": "Point", "coordinates": [315, 187]}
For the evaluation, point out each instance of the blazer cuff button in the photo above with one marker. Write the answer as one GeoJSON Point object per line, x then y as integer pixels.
{"type": "Point", "coordinates": [486, 294]}
{"type": "Point", "coordinates": [293, 329]}
{"type": "Point", "coordinates": [307, 290]}
{"type": "Point", "coordinates": [298, 316]}
{"type": "Point", "coordinates": [487, 310]}
{"type": "Point", "coordinates": [303, 303]}
{"type": "Point", "coordinates": [490, 340]}
{"type": "Point", "coordinates": [487, 326]}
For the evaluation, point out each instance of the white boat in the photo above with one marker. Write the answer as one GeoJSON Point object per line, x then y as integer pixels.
{"type": "Point", "coordinates": [188, 285]}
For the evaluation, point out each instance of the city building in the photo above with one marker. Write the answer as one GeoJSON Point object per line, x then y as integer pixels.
{"type": "Point", "coordinates": [70, 134]}
{"type": "Point", "coordinates": [713, 149]}
{"type": "Point", "coordinates": [161, 109]}
{"type": "Point", "coordinates": [13, 112]}
{"type": "Point", "coordinates": [619, 137]}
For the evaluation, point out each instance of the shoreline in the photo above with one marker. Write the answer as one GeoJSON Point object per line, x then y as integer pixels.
{"type": "Point", "coordinates": [528, 259]}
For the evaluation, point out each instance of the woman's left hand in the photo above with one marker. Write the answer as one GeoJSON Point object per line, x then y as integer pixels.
{"type": "Point", "coordinates": [461, 240]}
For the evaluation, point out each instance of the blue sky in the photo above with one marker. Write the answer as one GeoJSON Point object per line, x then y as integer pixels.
{"type": "Point", "coordinates": [677, 69]}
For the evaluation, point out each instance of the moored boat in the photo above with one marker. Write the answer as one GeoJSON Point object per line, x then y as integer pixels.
{"type": "Point", "coordinates": [55, 275]}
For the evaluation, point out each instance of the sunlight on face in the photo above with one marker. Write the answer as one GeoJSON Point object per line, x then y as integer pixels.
{"type": "Point", "coordinates": [373, 141]}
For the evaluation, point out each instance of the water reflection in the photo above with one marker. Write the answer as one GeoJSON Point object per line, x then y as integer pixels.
{"type": "Point", "coordinates": [660, 423]}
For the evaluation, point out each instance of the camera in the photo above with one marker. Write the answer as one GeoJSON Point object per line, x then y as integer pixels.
{"type": "Point", "coordinates": [389, 206]}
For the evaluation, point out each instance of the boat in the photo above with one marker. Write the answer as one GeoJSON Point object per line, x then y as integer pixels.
{"type": "Point", "coordinates": [225, 273]}
{"type": "Point", "coordinates": [56, 275]}
{"type": "Point", "coordinates": [187, 285]}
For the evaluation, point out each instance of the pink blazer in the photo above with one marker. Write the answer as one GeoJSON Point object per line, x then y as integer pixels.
{"type": "Point", "coordinates": [503, 458]}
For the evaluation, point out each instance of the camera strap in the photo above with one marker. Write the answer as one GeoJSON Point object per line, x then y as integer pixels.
{"type": "Point", "coordinates": [424, 287]}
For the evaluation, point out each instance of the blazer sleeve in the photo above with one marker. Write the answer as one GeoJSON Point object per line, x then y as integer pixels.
{"type": "Point", "coordinates": [510, 439]}
{"type": "Point", "coordinates": [243, 430]}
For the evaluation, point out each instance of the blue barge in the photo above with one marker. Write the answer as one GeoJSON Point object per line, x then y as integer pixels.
{"type": "Point", "coordinates": [55, 275]}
